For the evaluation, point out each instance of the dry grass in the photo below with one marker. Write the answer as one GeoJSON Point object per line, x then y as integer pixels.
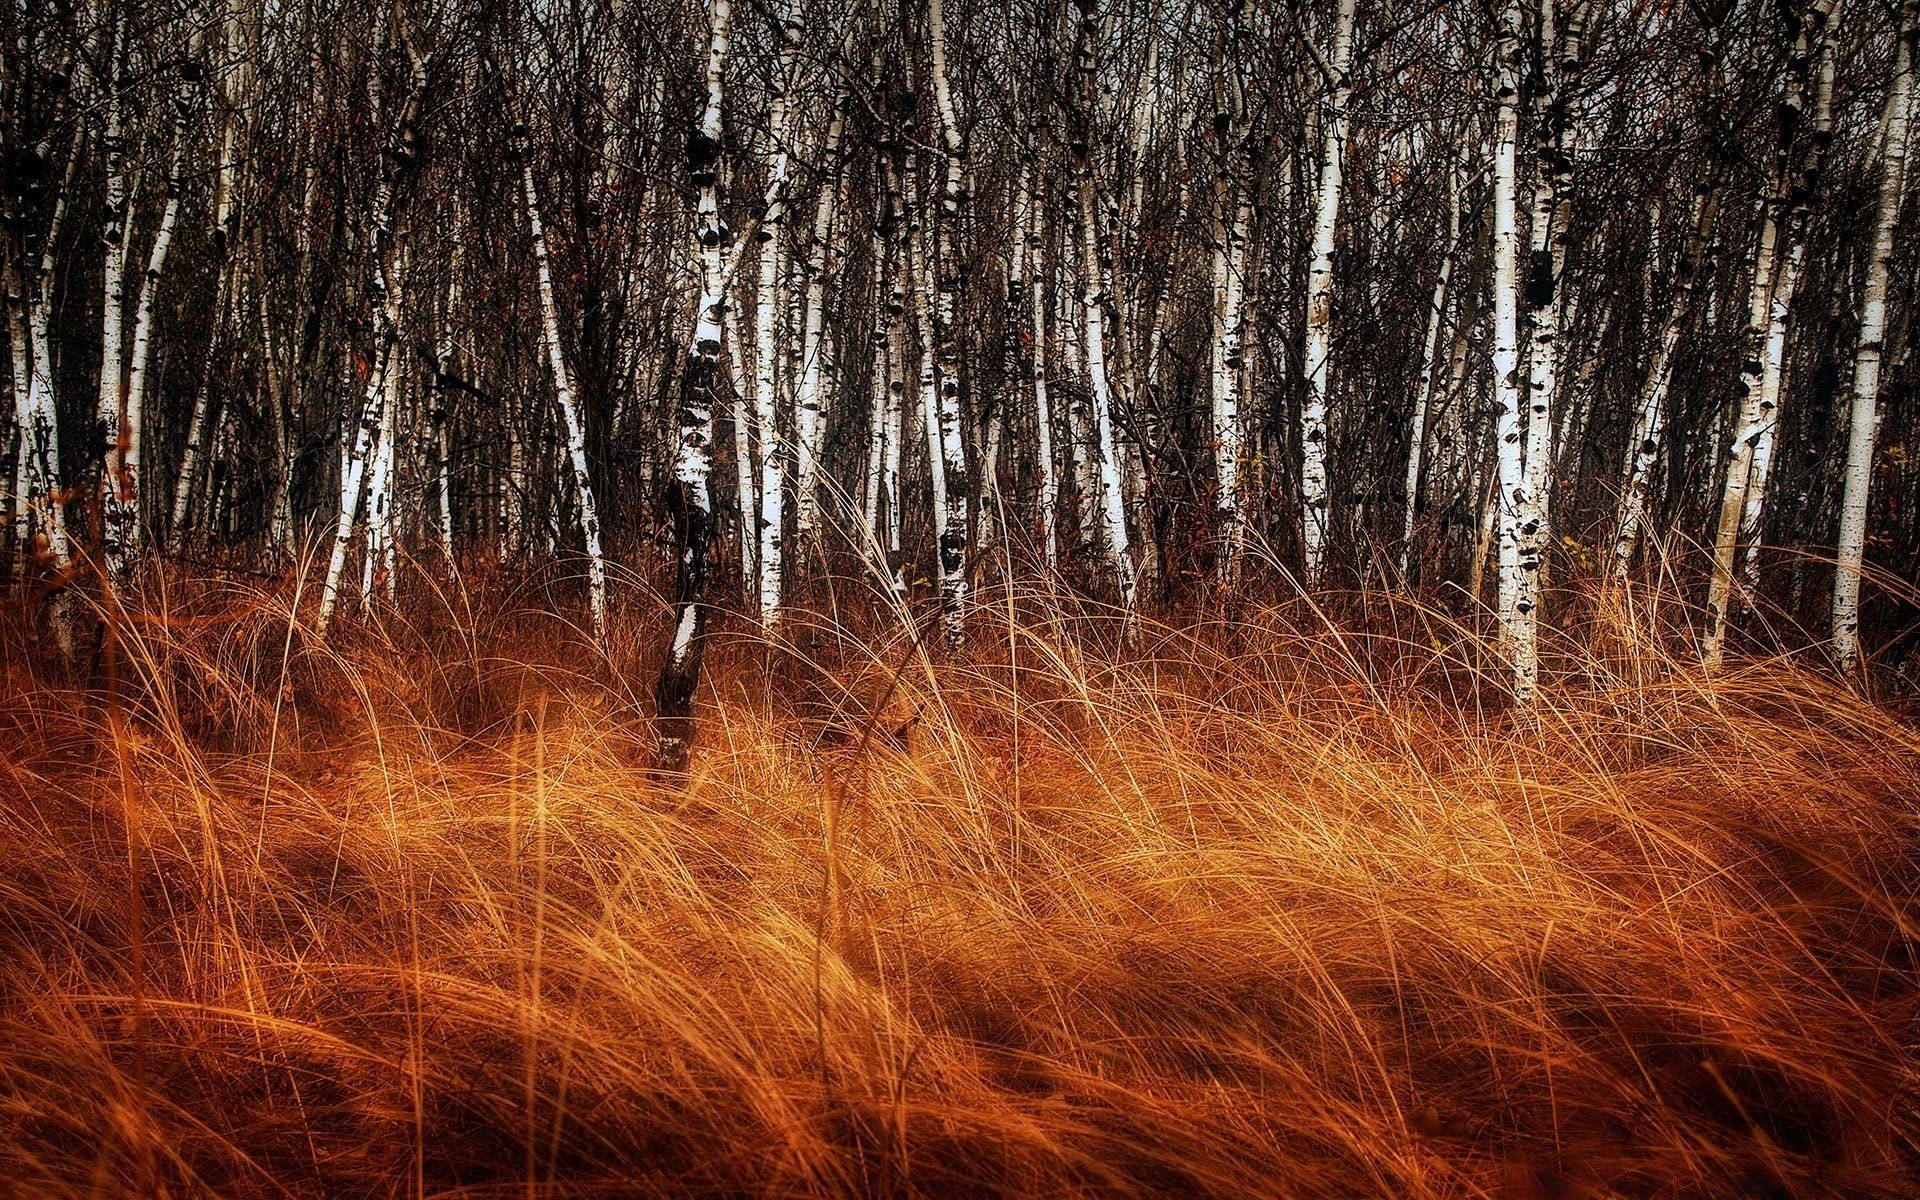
{"type": "Point", "coordinates": [1257, 910]}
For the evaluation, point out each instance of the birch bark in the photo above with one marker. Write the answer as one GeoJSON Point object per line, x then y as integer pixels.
{"type": "Point", "coordinates": [1857, 487]}
{"type": "Point", "coordinates": [1650, 411]}
{"type": "Point", "coordinates": [1429, 365]}
{"type": "Point", "coordinates": [1517, 609]}
{"type": "Point", "coordinates": [570, 416]}
{"type": "Point", "coordinates": [1318, 350]}
{"type": "Point", "coordinates": [690, 496]}
{"type": "Point", "coordinates": [1778, 206]}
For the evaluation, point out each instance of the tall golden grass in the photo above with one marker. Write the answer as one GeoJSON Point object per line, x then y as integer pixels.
{"type": "Point", "coordinates": [1257, 907]}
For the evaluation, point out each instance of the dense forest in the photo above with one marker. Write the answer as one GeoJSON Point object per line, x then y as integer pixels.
{"type": "Point", "coordinates": [1132, 470]}
{"type": "Point", "coordinates": [1460, 299]}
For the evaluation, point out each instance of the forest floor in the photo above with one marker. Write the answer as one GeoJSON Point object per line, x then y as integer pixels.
{"type": "Point", "coordinates": [1255, 909]}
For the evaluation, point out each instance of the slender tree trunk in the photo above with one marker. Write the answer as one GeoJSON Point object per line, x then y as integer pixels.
{"type": "Point", "coordinates": [376, 558]}
{"type": "Point", "coordinates": [446, 368]}
{"type": "Point", "coordinates": [1517, 606]}
{"type": "Point", "coordinates": [940, 417]}
{"type": "Point", "coordinates": [746, 464]}
{"type": "Point", "coordinates": [690, 496]}
{"type": "Point", "coordinates": [1650, 412]}
{"type": "Point", "coordinates": [241, 43]}
{"type": "Point", "coordinates": [1866, 360]}
{"type": "Point", "coordinates": [1555, 129]}
{"type": "Point", "coordinates": [1429, 365]}
{"type": "Point", "coordinates": [1112, 510]}
{"type": "Point", "coordinates": [1016, 362]}
{"type": "Point", "coordinates": [813, 398]}
{"type": "Point", "coordinates": [570, 416]}
{"type": "Point", "coordinates": [1318, 352]}
{"type": "Point", "coordinates": [388, 284]}
{"type": "Point", "coordinates": [1772, 377]}
{"type": "Point", "coordinates": [771, 522]}
{"type": "Point", "coordinates": [953, 529]}
{"type": "Point", "coordinates": [353, 478]}
{"type": "Point", "coordinates": [1046, 483]}
{"type": "Point", "coordinates": [117, 500]}
{"type": "Point", "coordinates": [1781, 207]}
{"type": "Point", "coordinates": [1233, 220]}
{"type": "Point", "coordinates": [20, 507]}
{"type": "Point", "coordinates": [899, 284]}
{"type": "Point", "coordinates": [143, 322]}
{"type": "Point", "coordinates": [876, 399]}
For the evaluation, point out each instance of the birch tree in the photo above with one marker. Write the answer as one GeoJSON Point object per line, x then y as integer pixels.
{"type": "Point", "coordinates": [1759, 370]}
{"type": "Point", "coordinates": [563, 396]}
{"type": "Point", "coordinates": [1233, 214]}
{"type": "Point", "coordinates": [1864, 419]}
{"type": "Point", "coordinates": [690, 494]}
{"type": "Point", "coordinates": [118, 502]}
{"type": "Point", "coordinates": [1518, 575]}
{"type": "Point", "coordinates": [1645, 443]}
{"type": "Point", "coordinates": [385, 295]}
{"type": "Point", "coordinates": [951, 520]}
{"type": "Point", "coordinates": [1429, 365]}
{"type": "Point", "coordinates": [1318, 351]}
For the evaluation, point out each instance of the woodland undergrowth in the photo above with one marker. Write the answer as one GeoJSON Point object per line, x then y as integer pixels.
{"type": "Point", "coordinates": [1269, 903]}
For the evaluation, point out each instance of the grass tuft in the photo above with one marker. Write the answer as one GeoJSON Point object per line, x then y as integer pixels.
{"type": "Point", "coordinates": [1260, 908]}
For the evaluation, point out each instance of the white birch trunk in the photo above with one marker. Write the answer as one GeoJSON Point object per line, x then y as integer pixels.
{"type": "Point", "coordinates": [1318, 350]}
{"type": "Point", "coordinates": [876, 399]}
{"type": "Point", "coordinates": [814, 395]}
{"type": "Point", "coordinates": [1650, 413]}
{"type": "Point", "coordinates": [1046, 483]}
{"type": "Point", "coordinates": [691, 495]}
{"type": "Point", "coordinates": [353, 479]}
{"type": "Point", "coordinates": [940, 415]}
{"type": "Point", "coordinates": [116, 499]}
{"type": "Point", "coordinates": [1856, 489]}
{"type": "Point", "coordinates": [19, 498]}
{"type": "Point", "coordinates": [143, 326]}
{"type": "Point", "coordinates": [386, 292]}
{"type": "Point", "coordinates": [1772, 376]}
{"type": "Point", "coordinates": [941, 265]}
{"type": "Point", "coordinates": [376, 558]}
{"type": "Point", "coordinates": [1555, 135]}
{"type": "Point", "coordinates": [446, 364]}
{"type": "Point", "coordinates": [1112, 504]}
{"type": "Point", "coordinates": [192, 456]}
{"type": "Point", "coordinates": [1517, 609]}
{"type": "Point", "coordinates": [1429, 365]}
{"type": "Point", "coordinates": [1229, 442]}
{"type": "Point", "coordinates": [897, 288]}
{"type": "Point", "coordinates": [589, 514]}
{"type": "Point", "coordinates": [771, 523]}
{"type": "Point", "coordinates": [746, 468]}
{"type": "Point", "coordinates": [237, 90]}
{"type": "Point", "coordinates": [1774, 259]}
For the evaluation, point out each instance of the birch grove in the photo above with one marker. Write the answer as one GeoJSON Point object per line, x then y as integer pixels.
{"type": "Point", "coordinates": [1152, 308]}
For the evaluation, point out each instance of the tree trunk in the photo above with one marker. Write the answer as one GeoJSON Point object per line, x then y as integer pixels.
{"type": "Point", "coordinates": [1046, 483]}
{"type": "Point", "coordinates": [1781, 207]}
{"type": "Point", "coordinates": [118, 503]}
{"type": "Point", "coordinates": [1517, 606]}
{"type": "Point", "coordinates": [814, 396]}
{"type": "Point", "coordinates": [690, 495]}
{"type": "Point", "coordinates": [1429, 364]}
{"type": "Point", "coordinates": [1649, 420]}
{"type": "Point", "coordinates": [1866, 360]}
{"type": "Point", "coordinates": [589, 514]}
{"type": "Point", "coordinates": [1318, 351]}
